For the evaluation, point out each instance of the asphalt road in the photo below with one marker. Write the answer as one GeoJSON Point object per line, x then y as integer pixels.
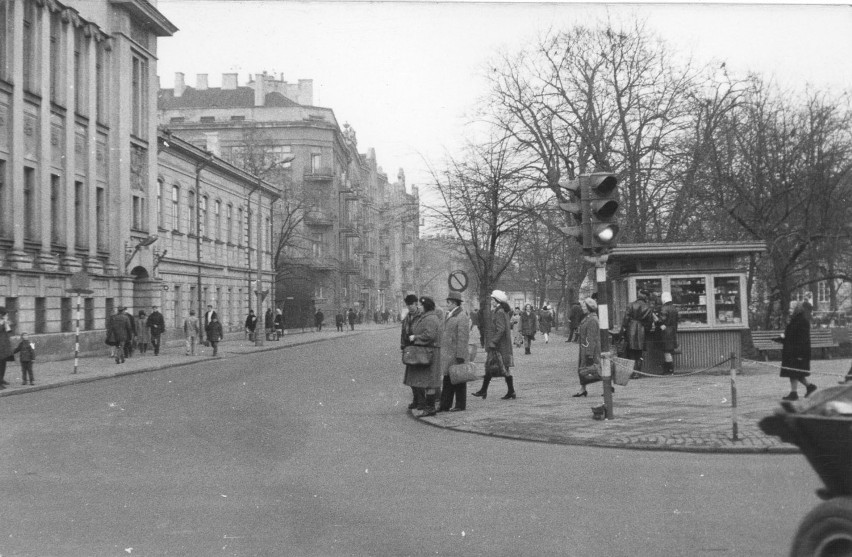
{"type": "Point", "coordinates": [309, 451]}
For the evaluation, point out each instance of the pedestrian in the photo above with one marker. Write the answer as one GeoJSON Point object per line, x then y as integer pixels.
{"type": "Point", "coordinates": [143, 337]}
{"type": "Point", "coordinates": [528, 327]}
{"type": "Point", "coordinates": [26, 349]}
{"type": "Point", "coordinates": [575, 316]}
{"type": "Point", "coordinates": [251, 325]}
{"type": "Point", "coordinates": [5, 345]}
{"type": "Point", "coordinates": [192, 331]}
{"type": "Point", "coordinates": [269, 323]}
{"type": "Point", "coordinates": [214, 334]}
{"type": "Point", "coordinates": [130, 343]}
{"type": "Point", "coordinates": [208, 317]}
{"type": "Point", "coordinates": [796, 351]}
{"type": "Point", "coordinates": [514, 325]}
{"type": "Point", "coordinates": [120, 333]}
{"type": "Point", "coordinates": [589, 339]}
{"type": "Point", "coordinates": [545, 322]}
{"type": "Point", "coordinates": [454, 350]}
{"type": "Point", "coordinates": [638, 320]}
{"type": "Point", "coordinates": [499, 339]}
{"type": "Point", "coordinates": [418, 401]}
{"type": "Point", "coordinates": [426, 331]}
{"type": "Point", "coordinates": [156, 327]}
{"type": "Point", "coordinates": [339, 320]}
{"type": "Point", "coordinates": [279, 324]}
{"type": "Point", "coordinates": [668, 327]}
{"type": "Point", "coordinates": [319, 317]}
{"type": "Point", "coordinates": [352, 316]}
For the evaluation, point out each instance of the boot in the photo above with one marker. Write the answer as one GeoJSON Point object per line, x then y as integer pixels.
{"type": "Point", "coordinates": [429, 407]}
{"type": "Point", "coordinates": [527, 350]}
{"type": "Point", "coordinates": [420, 397]}
{"type": "Point", "coordinates": [415, 400]}
{"type": "Point", "coordinates": [668, 368]}
{"type": "Point", "coordinates": [483, 391]}
{"type": "Point", "coordinates": [509, 383]}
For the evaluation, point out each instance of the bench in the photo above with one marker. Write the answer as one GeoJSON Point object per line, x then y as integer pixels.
{"type": "Point", "coordinates": [820, 338]}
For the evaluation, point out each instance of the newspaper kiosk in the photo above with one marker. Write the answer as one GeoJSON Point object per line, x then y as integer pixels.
{"type": "Point", "coordinates": [708, 286]}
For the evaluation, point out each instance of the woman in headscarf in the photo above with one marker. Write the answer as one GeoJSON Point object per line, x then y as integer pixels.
{"type": "Point", "coordinates": [500, 340]}
{"type": "Point", "coordinates": [796, 352]}
{"type": "Point", "coordinates": [425, 331]}
{"type": "Point", "coordinates": [589, 339]}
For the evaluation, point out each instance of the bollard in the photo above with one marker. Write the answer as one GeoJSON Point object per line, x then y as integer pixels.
{"type": "Point", "coordinates": [606, 376]}
{"type": "Point", "coordinates": [734, 396]}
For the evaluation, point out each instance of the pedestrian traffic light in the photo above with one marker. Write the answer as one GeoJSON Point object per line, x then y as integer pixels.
{"type": "Point", "coordinates": [575, 209]}
{"type": "Point", "coordinates": [603, 208]}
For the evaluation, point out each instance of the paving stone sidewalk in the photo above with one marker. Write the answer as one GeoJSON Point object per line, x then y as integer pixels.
{"type": "Point", "coordinates": [676, 413]}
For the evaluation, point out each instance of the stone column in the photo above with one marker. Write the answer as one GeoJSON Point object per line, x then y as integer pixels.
{"type": "Point", "coordinates": [45, 258]}
{"type": "Point", "coordinates": [70, 261]}
{"type": "Point", "coordinates": [92, 263]}
{"type": "Point", "coordinates": [17, 258]}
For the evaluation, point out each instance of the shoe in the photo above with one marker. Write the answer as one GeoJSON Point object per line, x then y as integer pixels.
{"type": "Point", "coordinates": [810, 389]}
{"type": "Point", "coordinates": [791, 396]}
{"type": "Point", "coordinates": [24, 383]}
{"type": "Point", "coordinates": [581, 393]}
{"type": "Point", "coordinates": [480, 394]}
{"type": "Point", "coordinates": [117, 361]}
{"type": "Point", "coordinates": [456, 409]}
{"type": "Point", "coordinates": [412, 406]}
{"type": "Point", "coordinates": [507, 396]}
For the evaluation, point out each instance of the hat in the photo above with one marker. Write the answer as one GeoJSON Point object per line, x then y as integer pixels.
{"type": "Point", "coordinates": [121, 308]}
{"type": "Point", "coordinates": [666, 297]}
{"type": "Point", "coordinates": [591, 304]}
{"type": "Point", "coordinates": [500, 296]}
{"type": "Point", "coordinates": [455, 295]}
{"type": "Point", "coordinates": [642, 294]}
{"type": "Point", "coordinates": [410, 299]}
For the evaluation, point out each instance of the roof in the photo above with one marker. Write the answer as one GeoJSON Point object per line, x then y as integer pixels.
{"type": "Point", "coordinates": [686, 249]}
{"type": "Point", "coordinates": [216, 97]}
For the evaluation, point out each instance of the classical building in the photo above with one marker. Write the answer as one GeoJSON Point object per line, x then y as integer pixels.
{"type": "Point", "coordinates": [330, 251]}
{"type": "Point", "coordinates": [78, 159]}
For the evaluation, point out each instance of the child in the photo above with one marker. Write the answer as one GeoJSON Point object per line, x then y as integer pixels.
{"type": "Point", "coordinates": [27, 350]}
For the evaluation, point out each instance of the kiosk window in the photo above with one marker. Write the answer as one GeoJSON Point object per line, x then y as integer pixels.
{"type": "Point", "coordinates": [653, 285]}
{"type": "Point", "coordinates": [726, 292]}
{"type": "Point", "coordinates": [690, 297]}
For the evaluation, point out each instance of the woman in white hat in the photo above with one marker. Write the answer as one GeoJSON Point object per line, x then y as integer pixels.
{"type": "Point", "coordinates": [500, 340]}
{"type": "Point", "coordinates": [589, 339]}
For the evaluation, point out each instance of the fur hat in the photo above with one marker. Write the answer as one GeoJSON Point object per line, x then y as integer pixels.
{"type": "Point", "coordinates": [591, 304]}
{"type": "Point", "coordinates": [455, 295]}
{"type": "Point", "coordinates": [666, 297]}
{"type": "Point", "coordinates": [410, 299]}
{"type": "Point", "coordinates": [500, 296]}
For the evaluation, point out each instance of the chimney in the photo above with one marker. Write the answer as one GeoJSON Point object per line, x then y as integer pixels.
{"type": "Point", "coordinates": [229, 81]}
{"type": "Point", "coordinates": [201, 82]}
{"type": "Point", "coordinates": [259, 89]}
{"type": "Point", "coordinates": [179, 84]}
{"type": "Point", "coordinates": [306, 92]}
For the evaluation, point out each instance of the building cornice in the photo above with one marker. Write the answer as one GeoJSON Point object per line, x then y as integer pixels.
{"type": "Point", "coordinates": [143, 10]}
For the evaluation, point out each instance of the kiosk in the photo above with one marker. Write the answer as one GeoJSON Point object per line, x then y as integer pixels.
{"type": "Point", "coordinates": [707, 282]}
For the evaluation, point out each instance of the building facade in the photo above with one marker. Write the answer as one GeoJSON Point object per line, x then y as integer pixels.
{"type": "Point", "coordinates": [78, 158]}
{"type": "Point", "coordinates": [329, 249]}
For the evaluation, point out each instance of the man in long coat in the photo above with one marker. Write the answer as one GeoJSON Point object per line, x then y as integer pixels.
{"type": "Point", "coordinates": [120, 333]}
{"type": "Point", "coordinates": [157, 325]}
{"type": "Point", "coordinates": [454, 350]}
{"type": "Point", "coordinates": [499, 339]}
{"type": "Point", "coordinates": [638, 319]}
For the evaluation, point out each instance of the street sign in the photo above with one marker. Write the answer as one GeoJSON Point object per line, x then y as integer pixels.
{"type": "Point", "coordinates": [457, 281]}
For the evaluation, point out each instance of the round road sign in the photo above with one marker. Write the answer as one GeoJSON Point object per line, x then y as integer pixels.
{"type": "Point", "coordinates": [457, 281]}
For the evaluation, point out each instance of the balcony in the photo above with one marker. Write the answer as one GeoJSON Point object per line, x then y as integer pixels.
{"type": "Point", "coordinates": [321, 174]}
{"type": "Point", "coordinates": [319, 217]}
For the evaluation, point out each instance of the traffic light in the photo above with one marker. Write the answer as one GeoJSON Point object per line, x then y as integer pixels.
{"type": "Point", "coordinates": [575, 209]}
{"type": "Point", "coordinates": [602, 188]}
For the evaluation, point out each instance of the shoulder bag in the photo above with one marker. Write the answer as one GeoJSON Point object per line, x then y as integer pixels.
{"type": "Point", "coordinates": [462, 373]}
{"type": "Point", "coordinates": [589, 374]}
{"type": "Point", "coordinates": [494, 364]}
{"type": "Point", "coordinates": [417, 355]}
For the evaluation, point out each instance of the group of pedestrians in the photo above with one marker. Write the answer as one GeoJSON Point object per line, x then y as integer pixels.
{"type": "Point", "coordinates": [126, 333]}
{"type": "Point", "coordinates": [447, 338]}
{"type": "Point", "coordinates": [25, 350]}
{"type": "Point", "coordinates": [528, 323]}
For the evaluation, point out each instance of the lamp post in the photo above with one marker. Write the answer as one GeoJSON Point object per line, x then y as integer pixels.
{"type": "Point", "coordinates": [199, 166]}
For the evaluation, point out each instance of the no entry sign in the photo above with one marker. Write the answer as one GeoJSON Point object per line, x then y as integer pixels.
{"type": "Point", "coordinates": [457, 281]}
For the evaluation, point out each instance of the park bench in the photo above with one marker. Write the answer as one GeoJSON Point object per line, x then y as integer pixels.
{"type": "Point", "coordinates": [820, 338]}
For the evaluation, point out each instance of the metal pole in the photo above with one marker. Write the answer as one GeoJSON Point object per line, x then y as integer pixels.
{"type": "Point", "coordinates": [258, 339]}
{"type": "Point", "coordinates": [77, 337]}
{"type": "Point", "coordinates": [734, 424]}
{"type": "Point", "coordinates": [603, 319]}
{"type": "Point", "coordinates": [198, 168]}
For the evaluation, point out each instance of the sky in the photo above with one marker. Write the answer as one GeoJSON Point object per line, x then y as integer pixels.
{"type": "Point", "coordinates": [407, 75]}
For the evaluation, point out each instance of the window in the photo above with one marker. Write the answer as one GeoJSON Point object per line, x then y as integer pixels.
{"type": "Point", "coordinates": [31, 68]}
{"type": "Point", "coordinates": [11, 304]}
{"type": "Point", "coordinates": [101, 82]}
{"type": "Point", "coordinates": [29, 204]}
{"type": "Point", "coordinates": [229, 214]}
{"type": "Point", "coordinates": [139, 96]}
{"type": "Point", "coordinates": [55, 209]}
{"type": "Point", "coordinates": [175, 208]}
{"type": "Point", "coordinates": [208, 119]}
{"type": "Point", "coordinates": [88, 314]}
{"type": "Point", "coordinates": [56, 82]}
{"type": "Point", "coordinates": [81, 79]}
{"type": "Point", "coordinates": [177, 309]}
{"type": "Point", "coordinates": [109, 309]}
{"type": "Point", "coordinates": [177, 119]}
{"type": "Point", "coordinates": [193, 229]}
{"type": "Point", "coordinates": [80, 225]}
{"type": "Point", "coordinates": [138, 210]}
{"type": "Point", "coordinates": [4, 37]}
{"type": "Point", "coordinates": [40, 316]}
{"type": "Point", "coordinates": [279, 152]}
{"type": "Point", "coordinates": [316, 163]}
{"type": "Point", "coordinates": [100, 215]}
{"type": "Point", "coordinates": [238, 118]}
{"type": "Point", "coordinates": [217, 220]}
{"type": "Point", "coordinates": [726, 292]}
{"type": "Point", "coordinates": [66, 315]}
{"type": "Point", "coordinates": [240, 226]}
{"type": "Point", "coordinates": [160, 204]}
{"type": "Point", "coordinates": [202, 208]}
{"type": "Point", "coordinates": [823, 292]}
{"type": "Point", "coordinates": [4, 204]}
{"type": "Point", "coordinates": [268, 242]}
{"type": "Point", "coordinates": [690, 297]}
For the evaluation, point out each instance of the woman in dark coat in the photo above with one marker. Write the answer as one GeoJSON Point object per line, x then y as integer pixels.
{"type": "Point", "coordinates": [425, 330]}
{"type": "Point", "coordinates": [499, 338]}
{"type": "Point", "coordinates": [5, 346]}
{"type": "Point", "coordinates": [796, 352]}
{"type": "Point", "coordinates": [638, 319]}
{"type": "Point", "coordinates": [529, 325]}
{"type": "Point", "coordinates": [668, 327]}
{"type": "Point", "coordinates": [545, 323]}
{"type": "Point", "coordinates": [589, 339]}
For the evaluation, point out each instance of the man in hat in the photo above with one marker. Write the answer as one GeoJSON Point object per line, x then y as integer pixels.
{"type": "Point", "coordinates": [157, 325]}
{"type": "Point", "coordinates": [120, 334]}
{"type": "Point", "coordinates": [638, 320]}
{"type": "Point", "coordinates": [454, 350]}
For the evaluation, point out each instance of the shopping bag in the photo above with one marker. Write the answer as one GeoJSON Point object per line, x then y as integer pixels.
{"type": "Point", "coordinates": [494, 364]}
{"type": "Point", "coordinates": [462, 373]}
{"type": "Point", "coordinates": [589, 374]}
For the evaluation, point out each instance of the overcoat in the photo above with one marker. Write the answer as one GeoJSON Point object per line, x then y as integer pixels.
{"type": "Point", "coordinates": [589, 333]}
{"type": "Point", "coordinates": [669, 317]}
{"type": "Point", "coordinates": [796, 350]}
{"type": "Point", "coordinates": [499, 337]}
{"type": "Point", "coordinates": [120, 328]}
{"type": "Point", "coordinates": [5, 342]}
{"type": "Point", "coordinates": [426, 328]}
{"type": "Point", "coordinates": [529, 323]}
{"type": "Point", "coordinates": [545, 321]}
{"type": "Point", "coordinates": [143, 335]}
{"type": "Point", "coordinates": [454, 339]}
{"type": "Point", "coordinates": [637, 320]}
{"type": "Point", "coordinates": [214, 331]}
{"type": "Point", "coordinates": [156, 323]}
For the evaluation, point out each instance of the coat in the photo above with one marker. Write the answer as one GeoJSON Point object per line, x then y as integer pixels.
{"type": "Point", "coordinates": [269, 319]}
{"type": "Point", "coordinates": [669, 318]}
{"type": "Point", "coordinates": [142, 334]}
{"type": "Point", "coordinates": [214, 331]}
{"type": "Point", "coordinates": [589, 334]}
{"type": "Point", "coordinates": [454, 339]}
{"type": "Point", "coordinates": [156, 323]}
{"type": "Point", "coordinates": [319, 317]}
{"type": "Point", "coordinates": [191, 326]}
{"type": "Point", "coordinates": [426, 328]}
{"type": "Point", "coordinates": [545, 321]}
{"type": "Point", "coordinates": [796, 349]}
{"type": "Point", "coordinates": [26, 350]}
{"type": "Point", "coordinates": [5, 341]}
{"type": "Point", "coordinates": [529, 324]}
{"type": "Point", "coordinates": [637, 320]}
{"type": "Point", "coordinates": [251, 322]}
{"type": "Point", "coordinates": [575, 316]}
{"type": "Point", "coordinates": [120, 329]}
{"type": "Point", "coordinates": [500, 335]}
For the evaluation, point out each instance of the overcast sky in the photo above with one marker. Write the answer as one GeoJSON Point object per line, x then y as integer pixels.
{"type": "Point", "coordinates": [405, 75]}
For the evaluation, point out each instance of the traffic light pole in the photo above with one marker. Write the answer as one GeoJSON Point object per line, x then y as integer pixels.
{"type": "Point", "coordinates": [603, 319]}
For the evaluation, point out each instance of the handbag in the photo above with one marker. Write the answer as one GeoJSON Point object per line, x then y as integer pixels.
{"type": "Point", "coordinates": [494, 364]}
{"type": "Point", "coordinates": [417, 355]}
{"type": "Point", "coordinates": [462, 373]}
{"type": "Point", "coordinates": [589, 374]}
